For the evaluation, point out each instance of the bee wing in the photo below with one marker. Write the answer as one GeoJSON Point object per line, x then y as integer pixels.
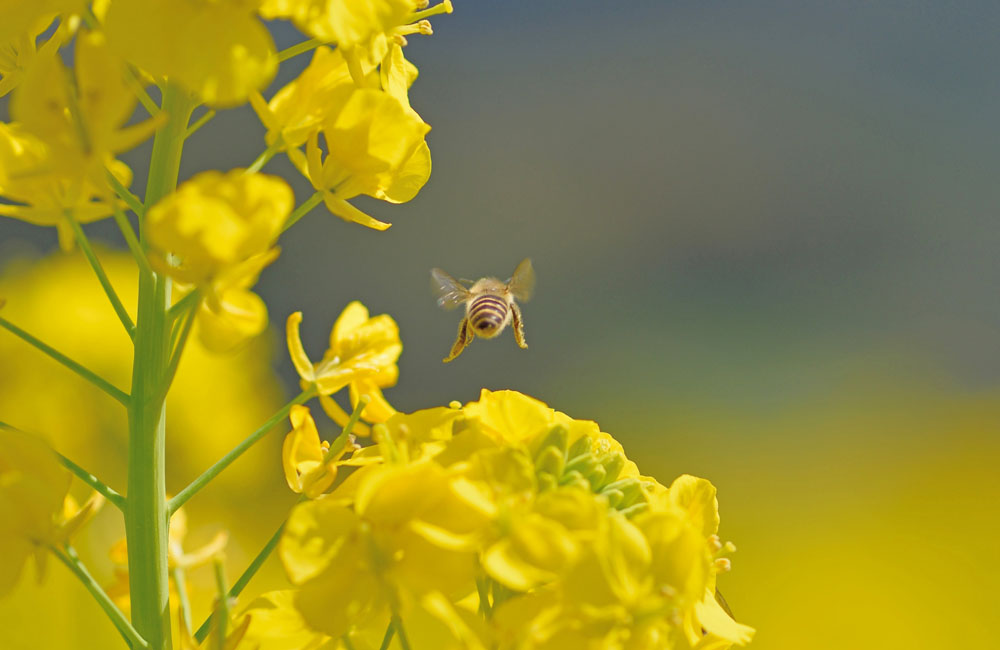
{"type": "Point", "coordinates": [449, 292]}
{"type": "Point", "coordinates": [522, 283]}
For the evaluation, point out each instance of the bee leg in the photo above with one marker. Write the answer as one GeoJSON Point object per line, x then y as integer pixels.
{"type": "Point", "coordinates": [518, 325]}
{"type": "Point", "coordinates": [465, 336]}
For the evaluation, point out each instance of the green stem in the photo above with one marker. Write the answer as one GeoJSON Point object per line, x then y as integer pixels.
{"type": "Point", "coordinates": [340, 441]}
{"type": "Point", "coordinates": [244, 579]}
{"type": "Point", "coordinates": [182, 305]}
{"type": "Point", "coordinates": [180, 582]}
{"type": "Point", "coordinates": [346, 640]}
{"type": "Point", "coordinates": [390, 630]}
{"type": "Point", "coordinates": [222, 609]}
{"type": "Point", "coordinates": [147, 515]}
{"type": "Point", "coordinates": [398, 623]}
{"type": "Point", "coordinates": [72, 561]}
{"type": "Point", "coordinates": [79, 369]}
{"type": "Point", "coordinates": [175, 357]}
{"type": "Point", "coordinates": [200, 122]}
{"type": "Point", "coordinates": [131, 200]}
{"type": "Point", "coordinates": [298, 48]}
{"type": "Point", "coordinates": [133, 242]}
{"type": "Point", "coordinates": [302, 210]}
{"type": "Point", "coordinates": [116, 499]}
{"type": "Point", "coordinates": [264, 157]}
{"type": "Point", "coordinates": [102, 277]}
{"type": "Point", "coordinates": [181, 497]}
{"type": "Point", "coordinates": [132, 77]}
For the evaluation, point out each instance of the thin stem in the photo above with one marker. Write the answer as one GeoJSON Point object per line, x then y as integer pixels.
{"type": "Point", "coordinates": [244, 579]}
{"type": "Point", "coordinates": [390, 630]}
{"type": "Point", "coordinates": [102, 277]}
{"type": "Point", "coordinates": [298, 48]}
{"type": "Point", "coordinates": [78, 368]}
{"type": "Point", "coordinates": [222, 609]}
{"type": "Point", "coordinates": [131, 200]}
{"type": "Point", "coordinates": [346, 640]}
{"type": "Point", "coordinates": [71, 560]}
{"type": "Point", "coordinates": [133, 242]}
{"type": "Point", "coordinates": [178, 350]}
{"type": "Point", "coordinates": [200, 122]}
{"type": "Point", "coordinates": [132, 77]}
{"type": "Point", "coordinates": [116, 499]}
{"type": "Point", "coordinates": [237, 451]}
{"type": "Point", "coordinates": [180, 581]}
{"type": "Point", "coordinates": [302, 210]}
{"type": "Point", "coordinates": [264, 157]}
{"type": "Point", "coordinates": [338, 444]}
{"type": "Point", "coordinates": [182, 306]}
{"type": "Point", "coordinates": [398, 623]}
{"type": "Point", "coordinates": [484, 598]}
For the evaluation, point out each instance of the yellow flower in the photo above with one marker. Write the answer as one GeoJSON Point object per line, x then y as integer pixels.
{"type": "Point", "coordinates": [182, 40]}
{"type": "Point", "coordinates": [362, 354]}
{"type": "Point", "coordinates": [307, 469]}
{"type": "Point", "coordinates": [54, 160]}
{"type": "Point", "coordinates": [375, 146]}
{"type": "Point", "coordinates": [298, 109]}
{"type": "Point", "coordinates": [406, 535]}
{"type": "Point", "coordinates": [17, 53]}
{"type": "Point", "coordinates": [230, 314]}
{"type": "Point", "coordinates": [81, 120]}
{"type": "Point", "coordinates": [33, 486]}
{"type": "Point", "coordinates": [275, 624]}
{"type": "Point", "coordinates": [42, 193]}
{"type": "Point", "coordinates": [362, 29]}
{"type": "Point", "coordinates": [216, 221]}
{"type": "Point", "coordinates": [32, 16]}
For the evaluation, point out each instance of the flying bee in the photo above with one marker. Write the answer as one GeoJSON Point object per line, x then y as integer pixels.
{"type": "Point", "coordinates": [489, 304]}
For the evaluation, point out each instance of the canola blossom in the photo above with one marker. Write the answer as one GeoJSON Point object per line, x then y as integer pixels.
{"type": "Point", "coordinates": [501, 524]}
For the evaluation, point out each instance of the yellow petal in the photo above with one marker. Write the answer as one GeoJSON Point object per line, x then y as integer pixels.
{"type": "Point", "coordinates": [298, 353]}
{"type": "Point", "coordinates": [348, 212]}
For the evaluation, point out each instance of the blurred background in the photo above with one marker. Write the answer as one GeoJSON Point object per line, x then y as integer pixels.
{"type": "Point", "coordinates": [768, 254]}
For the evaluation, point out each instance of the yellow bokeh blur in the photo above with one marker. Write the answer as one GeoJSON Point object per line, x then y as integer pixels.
{"type": "Point", "coordinates": [216, 401]}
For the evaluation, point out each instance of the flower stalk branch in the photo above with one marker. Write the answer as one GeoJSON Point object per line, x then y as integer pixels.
{"type": "Point", "coordinates": [76, 367]}
{"type": "Point", "coordinates": [69, 557]}
{"type": "Point", "coordinates": [102, 277]}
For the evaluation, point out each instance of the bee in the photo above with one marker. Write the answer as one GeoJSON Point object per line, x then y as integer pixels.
{"type": "Point", "coordinates": [489, 304]}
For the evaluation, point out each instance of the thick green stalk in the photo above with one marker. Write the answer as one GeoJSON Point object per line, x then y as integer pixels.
{"type": "Point", "coordinates": [147, 516]}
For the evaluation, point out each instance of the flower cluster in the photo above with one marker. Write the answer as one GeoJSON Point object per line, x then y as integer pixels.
{"type": "Point", "coordinates": [500, 524]}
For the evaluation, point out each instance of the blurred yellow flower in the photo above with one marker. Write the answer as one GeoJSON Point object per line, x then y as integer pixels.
{"type": "Point", "coordinates": [32, 16]}
{"type": "Point", "coordinates": [56, 157]}
{"type": "Point", "coordinates": [17, 52]}
{"type": "Point", "coordinates": [33, 486]}
{"type": "Point", "coordinates": [375, 146]}
{"type": "Point", "coordinates": [227, 64]}
{"type": "Point", "coordinates": [215, 221]}
{"type": "Point", "coordinates": [362, 354]}
{"type": "Point", "coordinates": [304, 457]}
{"type": "Point", "coordinates": [43, 195]}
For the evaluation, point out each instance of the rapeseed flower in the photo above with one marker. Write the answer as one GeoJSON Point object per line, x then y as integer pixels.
{"type": "Point", "coordinates": [33, 488]}
{"type": "Point", "coordinates": [375, 146]}
{"type": "Point", "coordinates": [362, 355]}
{"type": "Point", "coordinates": [225, 67]}
{"type": "Point", "coordinates": [310, 467]}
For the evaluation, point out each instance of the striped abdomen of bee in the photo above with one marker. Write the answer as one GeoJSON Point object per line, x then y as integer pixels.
{"type": "Point", "coordinates": [488, 315]}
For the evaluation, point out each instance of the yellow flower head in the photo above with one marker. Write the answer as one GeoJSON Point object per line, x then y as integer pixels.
{"type": "Point", "coordinates": [406, 534]}
{"type": "Point", "coordinates": [375, 146]}
{"type": "Point", "coordinates": [298, 109]}
{"type": "Point", "coordinates": [363, 30]}
{"type": "Point", "coordinates": [309, 467]}
{"type": "Point", "coordinates": [362, 354]}
{"type": "Point", "coordinates": [230, 314]}
{"type": "Point", "coordinates": [33, 486]}
{"type": "Point", "coordinates": [216, 221]}
{"type": "Point", "coordinates": [183, 40]}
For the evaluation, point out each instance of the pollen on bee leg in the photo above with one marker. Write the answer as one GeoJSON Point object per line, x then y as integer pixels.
{"type": "Point", "coordinates": [723, 564]}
